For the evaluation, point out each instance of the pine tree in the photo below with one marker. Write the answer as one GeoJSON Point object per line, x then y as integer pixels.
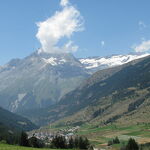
{"type": "Point", "coordinates": [76, 142]}
{"type": "Point", "coordinates": [71, 143]}
{"type": "Point", "coordinates": [132, 145]}
{"type": "Point", "coordinates": [116, 141]}
{"type": "Point", "coordinates": [86, 143]}
{"type": "Point", "coordinates": [35, 142]}
{"type": "Point", "coordinates": [24, 139]}
{"type": "Point", "coordinates": [59, 142]}
{"type": "Point", "coordinates": [83, 143]}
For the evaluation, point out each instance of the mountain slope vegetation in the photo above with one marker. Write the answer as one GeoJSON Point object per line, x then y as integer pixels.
{"type": "Point", "coordinates": [119, 95]}
{"type": "Point", "coordinates": [10, 122]}
{"type": "Point", "coordinates": [11, 126]}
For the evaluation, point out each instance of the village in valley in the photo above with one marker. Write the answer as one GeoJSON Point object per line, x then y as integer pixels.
{"type": "Point", "coordinates": [47, 134]}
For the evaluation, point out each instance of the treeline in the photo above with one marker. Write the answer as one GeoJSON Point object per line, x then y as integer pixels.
{"type": "Point", "coordinates": [77, 142]}
{"type": "Point", "coordinates": [20, 138]}
{"type": "Point", "coordinates": [60, 142]}
{"type": "Point", "coordinates": [30, 142]}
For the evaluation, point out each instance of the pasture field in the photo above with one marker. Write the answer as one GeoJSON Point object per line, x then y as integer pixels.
{"type": "Point", "coordinates": [12, 147]}
{"type": "Point", "coordinates": [99, 136]}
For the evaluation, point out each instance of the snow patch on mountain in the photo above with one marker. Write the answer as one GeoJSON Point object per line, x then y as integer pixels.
{"type": "Point", "coordinates": [54, 61]}
{"type": "Point", "coordinates": [106, 62]}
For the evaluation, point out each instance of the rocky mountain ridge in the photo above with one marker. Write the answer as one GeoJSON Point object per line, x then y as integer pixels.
{"type": "Point", "coordinates": [42, 79]}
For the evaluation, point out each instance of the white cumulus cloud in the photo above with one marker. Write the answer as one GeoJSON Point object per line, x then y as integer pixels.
{"type": "Point", "coordinates": [143, 47]}
{"type": "Point", "coordinates": [61, 25]}
{"type": "Point", "coordinates": [64, 2]}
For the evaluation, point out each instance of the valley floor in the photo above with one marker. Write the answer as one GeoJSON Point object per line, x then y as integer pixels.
{"type": "Point", "coordinates": [12, 147]}
{"type": "Point", "coordinates": [100, 136]}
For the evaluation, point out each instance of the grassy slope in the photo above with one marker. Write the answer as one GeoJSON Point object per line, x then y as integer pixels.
{"type": "Point", "coordinates": [12, 147]}
{"type": "Point", "coordinates": [123, 116]}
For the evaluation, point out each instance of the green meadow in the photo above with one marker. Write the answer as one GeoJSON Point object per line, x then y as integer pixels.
{"type": "Point", "coordinates": [101, 135]}
{"type": "Point", "coordinates": [12, 147]}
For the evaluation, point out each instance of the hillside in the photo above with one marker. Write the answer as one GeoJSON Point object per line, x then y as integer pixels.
{"type": "Point", "coordinates": [11, 123]}
{"type": "Point", "coordinates": [119, 95]}
{"type": "Point", "coordinates": [123, 97]}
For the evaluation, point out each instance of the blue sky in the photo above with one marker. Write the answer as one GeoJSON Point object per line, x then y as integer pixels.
{"type": "Point", "coordinates": [110, 26]}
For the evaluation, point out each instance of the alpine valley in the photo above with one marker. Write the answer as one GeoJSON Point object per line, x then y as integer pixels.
{"type": "Point", "coordinates": [119, 94]}
{"type": "Point", "coordinates": [42, 79]}
{"type": "Point", "coordinates": [60, 91]}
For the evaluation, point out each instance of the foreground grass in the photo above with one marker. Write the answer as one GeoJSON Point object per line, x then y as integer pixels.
{"type": "Point", "coordinates": [12, 147]}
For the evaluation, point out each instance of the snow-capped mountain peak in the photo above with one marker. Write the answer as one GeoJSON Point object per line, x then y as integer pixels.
{"type": "Point", "coordinates": [99, 63]}
{"type": "Point", "coordinates": [42, 79]}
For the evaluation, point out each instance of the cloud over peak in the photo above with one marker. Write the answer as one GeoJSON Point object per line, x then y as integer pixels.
{"type": "Point", "coordinates": [61, 25]}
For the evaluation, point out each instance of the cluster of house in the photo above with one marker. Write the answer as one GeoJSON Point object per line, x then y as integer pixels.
{"type": "Point", "coordinates": [49, 135]}
{"type": "Point", "coordinates": [70, 130]}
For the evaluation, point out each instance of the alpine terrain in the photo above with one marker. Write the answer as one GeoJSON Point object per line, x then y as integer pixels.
{"type": "Point", "coordinates": [119, 94]}
{"type": "Point", "coordinates": [39, 80]}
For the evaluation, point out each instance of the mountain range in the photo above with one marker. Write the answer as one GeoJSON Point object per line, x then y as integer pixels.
{"type": "Point", "coordinates": [46, 87]}
{"type": "Point", "coordinates": [119, 94]}
{"type": "Point", "coordinates": [42, 79]}
{"type": "Point", "coordinates": [99, 63]}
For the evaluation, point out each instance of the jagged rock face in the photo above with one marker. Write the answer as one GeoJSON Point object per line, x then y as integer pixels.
{"type": "Point", "coordinates": [39, 80]}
